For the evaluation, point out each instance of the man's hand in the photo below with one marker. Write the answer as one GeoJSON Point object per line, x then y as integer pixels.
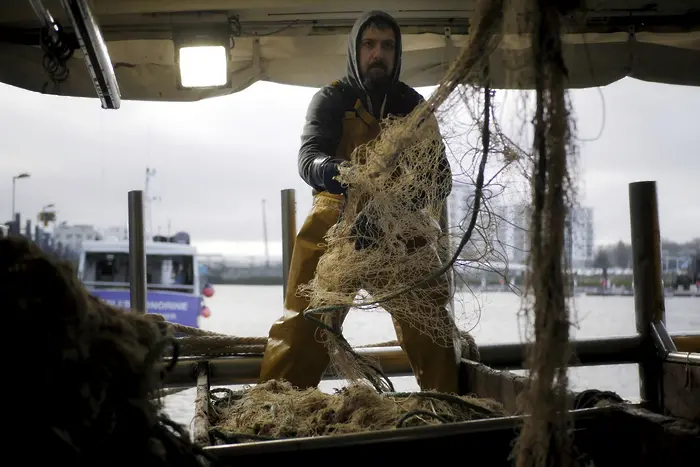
{"type": "Point", "coordinates": [330, 171]}
{"type": "Point", "coordinates": [366, 232]}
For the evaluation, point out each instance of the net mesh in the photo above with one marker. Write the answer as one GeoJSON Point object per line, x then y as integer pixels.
{"type": "Point", "coordinates": [395, 199]}
{"type": "Point", "coordinates": [408, 259]}
{"type": "Point", "coordinates": [276, 410]}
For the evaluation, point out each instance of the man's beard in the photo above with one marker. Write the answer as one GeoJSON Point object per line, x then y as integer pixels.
{"type": "Point", "coordinates": [374, 81]}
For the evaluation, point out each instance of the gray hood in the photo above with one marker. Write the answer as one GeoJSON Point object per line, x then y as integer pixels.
{"type": "Point", "coordinates": [353, 71]}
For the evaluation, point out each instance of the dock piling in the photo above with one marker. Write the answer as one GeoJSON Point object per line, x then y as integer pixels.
{"type": "Point", "coordinates": [648, 287]}
{"type": "Point", "coordinates": [137, 253]}
{"type": "Point", "coordinates": [289, 232]}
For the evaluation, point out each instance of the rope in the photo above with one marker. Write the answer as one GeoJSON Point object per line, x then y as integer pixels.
{"type": "Point", "coordinates": [200, 342]}
{"type": "Point", "coordinates": [214, 345]}
{"type": "Point", "coordinates": [224, 398]}
{"type": "Point", "coordinates": [171, 391]}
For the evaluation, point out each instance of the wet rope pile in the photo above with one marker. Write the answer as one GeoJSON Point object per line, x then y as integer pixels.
{"type": "Point", "coordinates": [96, 370]}
{"type": "Point", "coordinates": [276, 410]}
{"type": "Point", "coordinates": [546, 437]}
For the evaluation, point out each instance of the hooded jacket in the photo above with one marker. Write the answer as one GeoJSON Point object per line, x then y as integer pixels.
{"type": "Point", "coordinates": [325, 130]}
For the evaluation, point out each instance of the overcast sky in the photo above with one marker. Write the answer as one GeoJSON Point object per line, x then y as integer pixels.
{"type": "Point", "coordinates": [217, 159]}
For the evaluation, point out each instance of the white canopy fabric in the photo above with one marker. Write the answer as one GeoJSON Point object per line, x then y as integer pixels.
{"type": "Point", "coordinates": [309, 51]}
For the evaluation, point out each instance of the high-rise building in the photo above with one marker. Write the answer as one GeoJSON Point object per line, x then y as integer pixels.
{"type": "Point", "coordinates": [513, 230]}
{"type": "Point", "coordinates": [579, 241]}
{"type": "Point", "coordinates": [503, 235]}
{"type": "Point", "coordinates": [72, 236]}
{"type": "Point", "coordinates": [459, 205]}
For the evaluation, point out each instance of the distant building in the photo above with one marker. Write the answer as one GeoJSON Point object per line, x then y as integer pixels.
{"type": "Point", "coordinates": [115, 233]}
{"type": "Point", "coordinates": [512, 229]}
{"type": "Point", "coordinates": [508, 232]}
{"type": "Point", "coordinates": [513, 239]}
{"type": "Point", "coordinates": [72, 236]}
{"type": "Point", "coordinates": [579, 241]}
{"type": "Point", "coordinates": [459, 205]}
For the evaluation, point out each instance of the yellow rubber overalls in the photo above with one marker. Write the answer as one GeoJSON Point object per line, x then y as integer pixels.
{"type": "Point", "coordinates": [293, 352]}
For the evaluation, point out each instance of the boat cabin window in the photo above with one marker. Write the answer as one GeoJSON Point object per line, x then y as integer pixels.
{"type": "Point", "coordinates": [165, 272]}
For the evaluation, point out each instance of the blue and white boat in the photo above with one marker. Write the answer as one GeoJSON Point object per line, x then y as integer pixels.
{"type": "Point", "coordinates": [173, 278]}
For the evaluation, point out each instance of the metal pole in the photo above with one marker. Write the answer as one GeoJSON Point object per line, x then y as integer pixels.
{"type": "Point", "coordinates": [14, 184]}
{"type": "Point", "coordinates": [137, 253]}
{"type": "Point", "coordinates": [289, 233]}
{"type": "Point", "coordinates": [394, 361]}
{"type": "Point", "coordinates": [267, 251]}
{"type": "Point", "coordinates": [648, 288]}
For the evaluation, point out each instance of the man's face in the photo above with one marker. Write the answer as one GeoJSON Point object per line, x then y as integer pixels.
{"type": "Point", "coordinates": [377, 54]}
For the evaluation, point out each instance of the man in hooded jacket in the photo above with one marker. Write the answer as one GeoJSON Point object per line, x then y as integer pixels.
{"type": "Point", "coordinates": [341, 117]}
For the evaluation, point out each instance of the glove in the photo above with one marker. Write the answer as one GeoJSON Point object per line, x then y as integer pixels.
{"type": "Point", "coordinates": [330, 170]}
{"type": "Point", "coordinates": [366, 232]}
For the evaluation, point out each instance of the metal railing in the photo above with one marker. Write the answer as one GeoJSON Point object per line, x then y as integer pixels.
{"type": "Point", "coordinates": [650, 348]}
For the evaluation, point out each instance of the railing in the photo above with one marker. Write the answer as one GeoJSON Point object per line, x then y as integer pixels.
{"type": "Point", "coordinates": [650, 348]}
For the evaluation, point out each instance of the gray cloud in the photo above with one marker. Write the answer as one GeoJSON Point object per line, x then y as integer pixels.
{"type": "Point", "coordinates": [216, 159]}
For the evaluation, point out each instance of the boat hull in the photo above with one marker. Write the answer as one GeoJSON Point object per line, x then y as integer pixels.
{"type": "Point", "coordinates": [174, 307]}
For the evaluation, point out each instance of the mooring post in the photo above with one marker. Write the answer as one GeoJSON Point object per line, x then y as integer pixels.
{"type": "Point", "coordinates": [289, 233]}
{"type": "Point", "coordinates": [137, 253]}
{"type": "Point", "coordinates": [202, 403]}
{"type": "Point", "coordinates": [648, 287]}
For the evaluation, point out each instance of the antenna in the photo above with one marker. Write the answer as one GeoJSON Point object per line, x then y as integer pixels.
{"type": "Point", "coordinates": [148, 199]}
{"type": "Point", "coordinates": [267, 252]}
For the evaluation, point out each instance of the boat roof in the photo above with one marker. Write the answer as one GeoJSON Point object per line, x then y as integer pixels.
{"type": "Point", "coordinates": [303, 43]}
{"type": "Point", "coordinates": [152, 248]}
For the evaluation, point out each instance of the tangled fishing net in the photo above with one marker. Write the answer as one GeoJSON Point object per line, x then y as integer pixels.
{"type": "Point", "coordinates": [395, 193]}
{"type": "Point", "coordinates": [89, 373]}
{"type": "Point", "coordinates": [276, 410]}
{"type": "Point", "coordinates": [397, 184]}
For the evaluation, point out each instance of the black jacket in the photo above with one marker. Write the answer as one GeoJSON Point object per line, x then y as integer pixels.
{"type": "Point", "coordinates": [324, 119]}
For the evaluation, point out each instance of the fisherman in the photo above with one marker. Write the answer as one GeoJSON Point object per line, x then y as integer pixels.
{"type": "Point", "coordinates": [341, 117]}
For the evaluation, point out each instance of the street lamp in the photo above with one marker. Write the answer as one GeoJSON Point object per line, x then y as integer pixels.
{"type": "Point", "coordinates": [14, 180]}
{"type": "Point", "coordinates": [45, 216]}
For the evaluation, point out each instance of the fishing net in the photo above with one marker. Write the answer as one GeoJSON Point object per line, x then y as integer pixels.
{"type": "Point", "coordinates": [395, 200]}
{"type": "Point", "coordinates": [407, 258]}
{"type": "Point", "coordinates": [90, 373]}
{"type": "Point", "coordinates": [545, 438]}
{"type": "Point", "coordinates": [276, 410]}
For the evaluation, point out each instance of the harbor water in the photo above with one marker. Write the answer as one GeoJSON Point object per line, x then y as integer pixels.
{"type": "Point", "coordinates": [492, 318]}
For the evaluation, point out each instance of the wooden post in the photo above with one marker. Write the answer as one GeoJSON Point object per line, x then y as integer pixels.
{"type": "Point", "coordinates": [648, 287]}
{"type": "Point", "coordinates": [200, 432]}
{"type": "Point", "coordinates": [137, 253]}
{"type": "Point", "coordinates": [289, 233]}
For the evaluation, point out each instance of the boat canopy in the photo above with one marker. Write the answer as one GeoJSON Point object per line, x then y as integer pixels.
{"type": "Point", "coordinates": [303, 43]}
{"type": "Point", "coordinates": [152, 248]}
